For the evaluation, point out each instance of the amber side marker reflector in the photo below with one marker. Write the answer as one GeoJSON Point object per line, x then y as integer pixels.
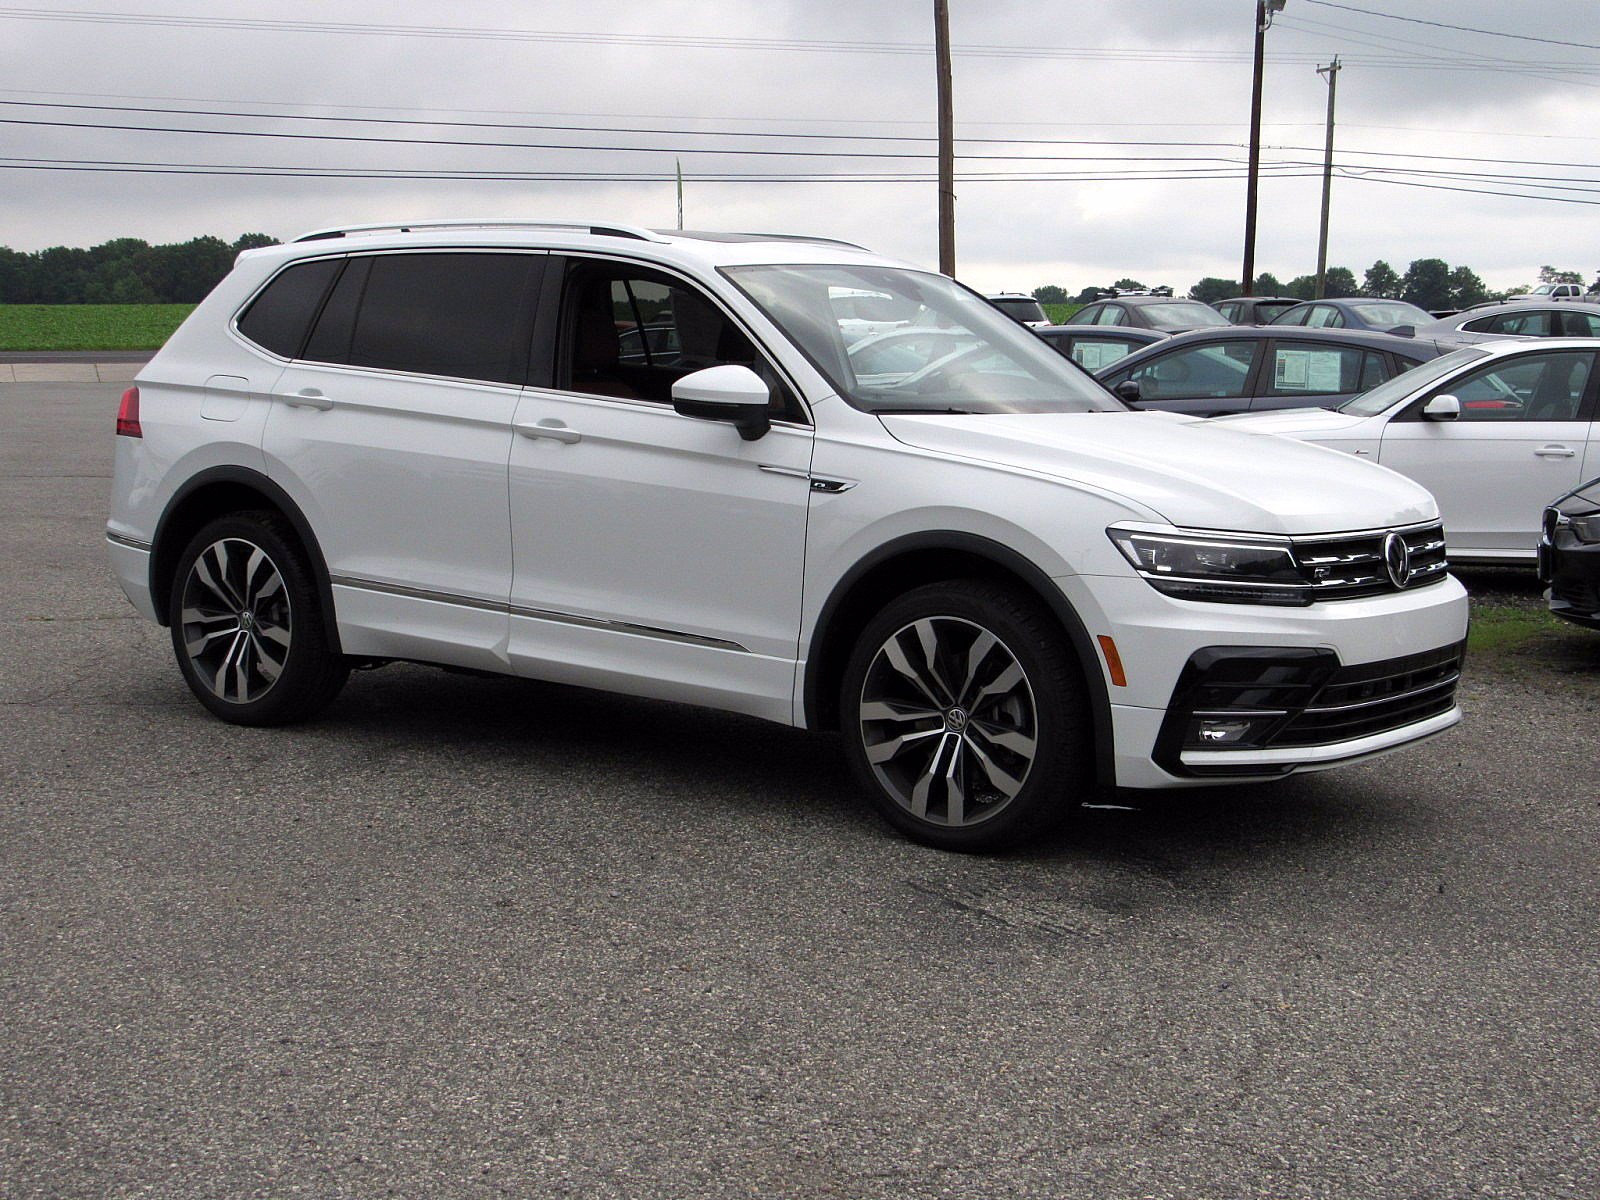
{"type": "Point", "coordinates": [1113, 660]}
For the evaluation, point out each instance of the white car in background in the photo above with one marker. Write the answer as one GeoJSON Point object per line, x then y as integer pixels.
{"type": "Point", "coordinates": [1494, 431]}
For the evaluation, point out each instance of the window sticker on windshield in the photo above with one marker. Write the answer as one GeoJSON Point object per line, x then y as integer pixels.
{"type": "Point", "coordinates": [1308, 370]}
{"type": "Point", "coordinates": [1092, 356]}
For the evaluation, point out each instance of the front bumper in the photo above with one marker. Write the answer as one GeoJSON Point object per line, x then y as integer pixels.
{"type": "Point", "coordinates": [1355, 646]}
{"type": "Point", "coordinates": [1572, 571]}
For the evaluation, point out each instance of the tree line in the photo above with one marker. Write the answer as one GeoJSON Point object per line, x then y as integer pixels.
{"type": "Point", "coordinates": [122, 271]}
{"type": "Point", "coordinates": [1429, 283]}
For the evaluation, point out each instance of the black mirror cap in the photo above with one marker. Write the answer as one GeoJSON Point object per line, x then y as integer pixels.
{"type": "Point", "coordinates": [751, 420]}
{"type": "Point", "coordinates": [1128, 391]}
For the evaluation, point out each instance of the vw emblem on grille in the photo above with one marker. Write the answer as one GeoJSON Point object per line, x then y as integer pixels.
{"type": "Point", "coordinates": [1397, 559]}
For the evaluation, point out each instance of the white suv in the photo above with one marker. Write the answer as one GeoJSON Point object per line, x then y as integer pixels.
{"type": "Point", "coordinates": [642, 461]}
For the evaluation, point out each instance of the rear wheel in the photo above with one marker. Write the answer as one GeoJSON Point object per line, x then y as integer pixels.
{"type": "Point", "coordinates": [247, 625]}
{"type": "Point", "coordinates": [964, 715]}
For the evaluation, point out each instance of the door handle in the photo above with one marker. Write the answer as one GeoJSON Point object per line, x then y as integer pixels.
{"type": "Point", "coordinates": [309, 398]}
{"type": "Point", "coordinates": [1556, 452]}
{"type": "Point", "coordinates": [550, 428]}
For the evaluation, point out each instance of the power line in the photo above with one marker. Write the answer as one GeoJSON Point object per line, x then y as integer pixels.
{"type": "Point", "coordinates": [1521, 37]}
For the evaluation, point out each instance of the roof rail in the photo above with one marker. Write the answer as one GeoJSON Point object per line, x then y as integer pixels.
{"type": "Point", "coordinates": [622, 231]}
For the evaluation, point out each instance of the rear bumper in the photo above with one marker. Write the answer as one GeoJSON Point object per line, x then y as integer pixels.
{"type": "Point", "coordinates": [130, 563]}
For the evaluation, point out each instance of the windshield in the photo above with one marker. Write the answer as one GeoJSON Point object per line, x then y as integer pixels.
{"type": "Point", "coordinates": [1182, 314]}
{"type": "Point", "coordinates": [1370, 404]}
{"type": "Point", "coordinates": [950, 352]}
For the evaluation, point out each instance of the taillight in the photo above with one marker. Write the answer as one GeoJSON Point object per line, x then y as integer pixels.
{"type": "Point", "coordinates": [128, 415]}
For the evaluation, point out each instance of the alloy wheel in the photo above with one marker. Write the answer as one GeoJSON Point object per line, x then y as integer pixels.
{"type": "Point", "coordinates": [948, 721]}
{"type": "Point", "coordinates": [237, 620]}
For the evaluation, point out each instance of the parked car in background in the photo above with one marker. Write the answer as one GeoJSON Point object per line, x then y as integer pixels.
{"type": "Point", "coordinates": [1553, 291]}
{"type": "Point", "coordinates": [421, 443]}
{"type": "Point", "coordinates": [1355, 312]}
{"type": "Point", "coordinates": [1148, 311]}
{"type": "Point", "coordinates": [1254, 310]}
{"type": "Point", "coordinates": [1569, 555]}
{"type": "Point", "coordinates": [1246, 368]}
{"type": "Point", "coordinates": [1493, 431]}
{"type": "Point", "coordinates": [1487, 322]}
{"type": "Point", "coordinates": [1095, 346]}
{"type": "Point", "coordinates": [1025, 310]}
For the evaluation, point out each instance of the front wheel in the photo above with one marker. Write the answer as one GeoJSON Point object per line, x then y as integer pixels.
{"type": "Point", "coordinates": [247, 625]}
{"type": "Point", "coordinates": [964, 716]}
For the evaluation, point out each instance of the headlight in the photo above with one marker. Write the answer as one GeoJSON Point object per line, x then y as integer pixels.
{"type": "Point", "coordinates": [1585, 529]}
{"type": "Point", "coordinates": [1196, 567]}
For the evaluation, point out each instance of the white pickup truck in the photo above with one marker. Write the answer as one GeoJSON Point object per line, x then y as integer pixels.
{"type": "Point", "coordinates": [1556, 291]}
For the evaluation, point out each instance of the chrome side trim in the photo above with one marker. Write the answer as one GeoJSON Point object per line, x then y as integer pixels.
{"type": "Point", "coordinates": [118, 539]}
{"type": "Point", "coordinates": [819, 483]}
{"type": "Point", "coordinates": [649, 631]}
{"type": "Point", "coordinates": [536, 614]}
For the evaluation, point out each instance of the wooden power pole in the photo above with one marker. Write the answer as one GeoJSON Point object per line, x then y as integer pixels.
{"type": "Point", "coordinates": [1332, 73]}
{"type": "Point", "coordinates": [947, 151]}
{"type": "Point", "coordinates": [1264, 12]}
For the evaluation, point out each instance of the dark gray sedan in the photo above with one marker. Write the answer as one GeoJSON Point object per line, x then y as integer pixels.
{"type": "Point", "coordinates": [1356, 312]}
{"type": "Point", "coordinates": [1252, 368]}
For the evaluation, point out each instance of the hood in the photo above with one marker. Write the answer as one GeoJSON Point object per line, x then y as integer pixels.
{"type": "Point", "coordinates": [1192, 472]}
{"type": "Point", "coordinates": [1293, 422]}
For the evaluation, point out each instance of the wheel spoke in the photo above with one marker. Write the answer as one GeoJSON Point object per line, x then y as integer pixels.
{"type": "Point", "coordinates": [219, 683]}
{"type": "Point", "coordinates": [896, 710]}
{"type": "Point", "coordinates": [1000, 685]}
{"type": "Point", "coordinates": [1014, 740]}
{"type": "Point", "coordinates": [882, 752]}
{"type": "Point", "coordinates": [928, 639]}
{"type": "Point", "coordinates": [202, 571]}
{"type": "Point", "coordinates": [1005, 782]}
{"type": "Point", "coordinates": [197, 645]}
{"type": "Point", "coordinates": [269, 667]}
{"type": "Point", "coordinates": [976, 653]}
{"type": "Point", "coordinates": [955, 796]}
{"type": "Point", "coordinates": [894, 653]}
{"type": "Point", "coordinates": [256, 592]}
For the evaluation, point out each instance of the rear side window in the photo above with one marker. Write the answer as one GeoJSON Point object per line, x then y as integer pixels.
{"type": "Point", "coordinates": [1096, 354]}
{"type": "Point", "coordinates": [280, 316]}
{"type": "Point", "coordinates": [459, 315]}
{"type": "Point", "coordinates": [1307, 368]}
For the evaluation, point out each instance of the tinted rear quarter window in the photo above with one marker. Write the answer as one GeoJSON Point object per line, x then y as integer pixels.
{"type": "Point", "coordinates": [279, 317]}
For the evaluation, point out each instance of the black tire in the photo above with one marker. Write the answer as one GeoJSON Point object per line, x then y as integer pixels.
{"type": "Point", "coordinates": [247, 625]}
{"type": "Point", "coordinates": [985, 743]}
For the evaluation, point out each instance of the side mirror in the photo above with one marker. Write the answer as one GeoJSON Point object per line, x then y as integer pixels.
{"type": "Point", "coordinates": [731, 393]}
{"type": "Point", "coordinates": [1443, 407]}
{"type": "Point", "coordinates": [1128, 391]}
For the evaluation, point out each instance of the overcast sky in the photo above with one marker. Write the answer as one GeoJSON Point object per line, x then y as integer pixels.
{"type": "Point", "coordinates": [1045, 95]}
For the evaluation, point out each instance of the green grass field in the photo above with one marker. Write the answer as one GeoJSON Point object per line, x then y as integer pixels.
{"type": "Point", "coordinates": [88, 326]}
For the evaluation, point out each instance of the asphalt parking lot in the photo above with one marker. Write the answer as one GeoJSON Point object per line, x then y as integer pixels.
{"type": "Point", "coordinates": [470, 937]}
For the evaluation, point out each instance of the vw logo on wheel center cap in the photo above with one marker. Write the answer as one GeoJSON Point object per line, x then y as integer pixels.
{"type": "Point", "coordinates": [1397, 559]}
{"type": "Point", "coordinates": [955, 720]}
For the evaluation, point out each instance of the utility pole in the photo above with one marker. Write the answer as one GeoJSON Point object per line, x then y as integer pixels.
{"type": "Point", "coordinates": [947, 151]}
{"type": "Point", "coordinates": [1331, 73]}
{"type": "Point", "coordinates": [1264, 12]}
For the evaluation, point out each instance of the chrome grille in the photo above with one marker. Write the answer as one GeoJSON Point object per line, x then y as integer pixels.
{"type": "Point", "coordinates": [1349, 566]}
